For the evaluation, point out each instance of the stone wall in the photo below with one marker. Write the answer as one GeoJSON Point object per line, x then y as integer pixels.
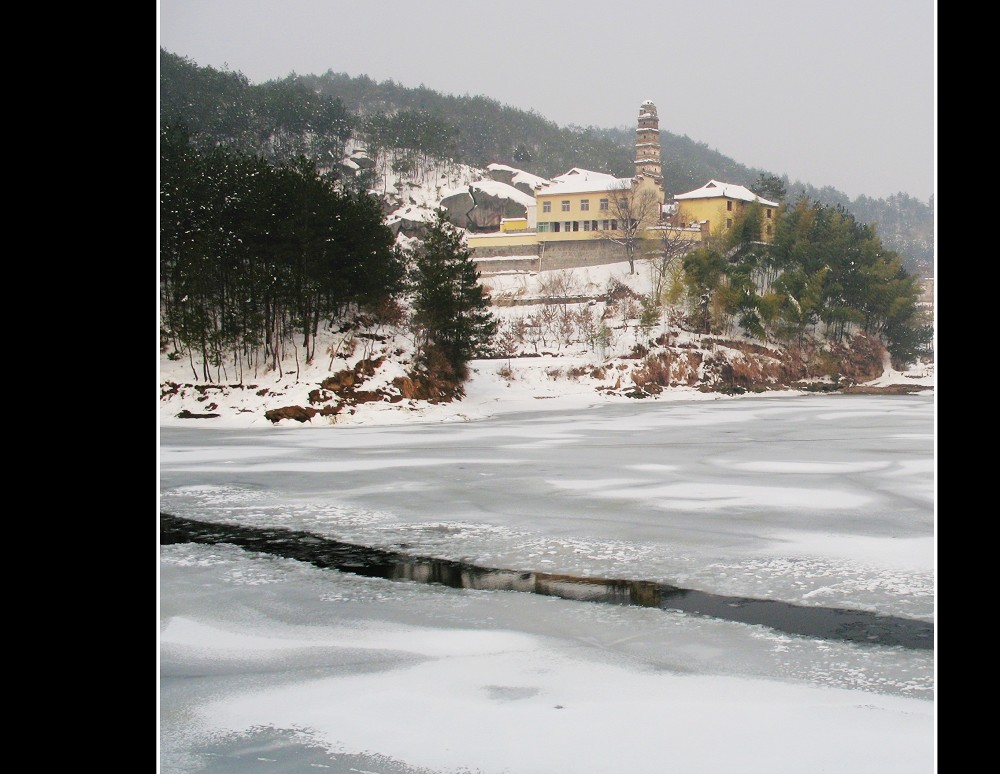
{"type": "Point", "coordinates": [577, 254]}
{"type": "Point", "coordinates": [504, 251]}
{"type": "Point", "coordinates": [552, 256]}
{"type": "Point", "coordinates": [521, 263]}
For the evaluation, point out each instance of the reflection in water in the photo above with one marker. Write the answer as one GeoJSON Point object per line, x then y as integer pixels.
{"type": "Point", "coordinates": [818, 622]}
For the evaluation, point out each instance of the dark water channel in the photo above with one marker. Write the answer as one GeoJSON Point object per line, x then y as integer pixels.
{"type": "Point", "coordinates": [824, 623]}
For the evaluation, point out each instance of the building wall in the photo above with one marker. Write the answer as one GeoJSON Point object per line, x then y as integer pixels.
{"type": "Point", "coordinates": [520, 243]}
{"type": "Point", "coordinates": [505, 265]}
{"type": "Point", "coordinates": [716, 211]}
{"type": "Point", "coordinates": [575, 212]}
{"type": "Point", "coordinates": [568, 254]}
{"type": "Point", "coordinates": [513, 224]}
{"type": "Point", "coordinates": [548, 256]}
{"type": "Point", "coordinates": [575, 255]}
{"type": "Point", "coordinates": [525, 243]}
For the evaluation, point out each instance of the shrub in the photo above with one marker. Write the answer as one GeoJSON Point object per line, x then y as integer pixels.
{"type": "Point", "coordinates": [655, 372]}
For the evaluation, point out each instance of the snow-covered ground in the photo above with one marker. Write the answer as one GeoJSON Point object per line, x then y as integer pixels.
{"type": "Point", "coordinates": [560, 374]}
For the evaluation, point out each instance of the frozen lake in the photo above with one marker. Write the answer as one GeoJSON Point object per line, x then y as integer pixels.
{"type": "Point", "coordinates": [822, 501]}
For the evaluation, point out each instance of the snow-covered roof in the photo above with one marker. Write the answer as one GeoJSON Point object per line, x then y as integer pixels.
{"type": "Point", "coordinates": [716, 189]}
{"type": "Point", "coordinates": [579, 180]}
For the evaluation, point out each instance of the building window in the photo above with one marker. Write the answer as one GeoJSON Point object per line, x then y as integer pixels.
{"type": "Point", "coordinates": [565, 205]}
{"type": "Point", "coordinates": [769, 229]}
{"type": "Point", "coordinates": [555, 226]}
{"type": "Point", "coordinates": [729, 222]}
{"type": "Point", "coordinates": [542, 227]}
{"type": "Point", "coordinates": [586, 225]}
{"type": "Point", "coordinates": [729, 206]}
{"type": "Point", "coordinates": [604, 225]}
{"type": "Point", "coordinates": [584, 204]}
{"type": "Point", "coordinates": [568, 226]}
{"type": "Point", "coordinates": [576, 225]}
{"type": "Point", "coordinates": [614, 225]}
{"type": "Point", "coordinates": [546, 206]}
{"type": "Point", "coordinates": [604, 204]}
{"type": "Point", "coordinates": [623, 204]}
{"type": "Point", "coordinates": [593, 225]}
{"type": "Point", "coordinates": [769, 215]}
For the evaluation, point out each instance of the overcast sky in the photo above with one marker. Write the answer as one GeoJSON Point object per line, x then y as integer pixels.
{"type": "Point", "coordinates": [840, 94]}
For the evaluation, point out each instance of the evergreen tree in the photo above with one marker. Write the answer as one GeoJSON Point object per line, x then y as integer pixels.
{"type": "Point", "coordinates": [253, 253]}
{"type": "Point", "coordinates": [704, 273]}
{"type": "Point", "coordinates": [450, 308]}
{"type": "Point", "coordinates": [770, 187]}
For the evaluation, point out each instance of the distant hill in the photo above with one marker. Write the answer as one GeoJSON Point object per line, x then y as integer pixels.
{"type": "Point", "coordinates": [478, 130]}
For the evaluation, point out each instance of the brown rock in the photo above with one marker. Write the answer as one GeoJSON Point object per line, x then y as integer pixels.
{"type": "Point", "coordinates": [297, 413]}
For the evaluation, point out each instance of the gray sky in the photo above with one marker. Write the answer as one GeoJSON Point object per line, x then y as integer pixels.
{"type": "Point", "coordinates": [840, 94]}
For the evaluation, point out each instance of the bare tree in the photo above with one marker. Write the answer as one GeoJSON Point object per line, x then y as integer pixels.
{"type": "Point", "coordinates": [557, 285]}
{"type": "Point", "coordinates": [507, 340]}
{"type": "Point", "coordinates": [632, 209]}
{"type": "Point", "coordinates": [672, 244]}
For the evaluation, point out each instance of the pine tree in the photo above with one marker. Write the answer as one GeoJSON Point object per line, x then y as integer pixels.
{"type": "Point", "coordinates": [450, 308]}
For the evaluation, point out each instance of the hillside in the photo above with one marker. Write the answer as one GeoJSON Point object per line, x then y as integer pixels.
{"type": "Point", "coordinates": [416, 124]}
{"type": "Point", "coordinates": [481, 131]}
{"type": "Point", "coordinates": [580, 337]}
{"type": "Point", "coordinates": [361, 377]}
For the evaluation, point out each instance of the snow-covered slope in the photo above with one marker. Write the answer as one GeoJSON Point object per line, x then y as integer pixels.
{"type": "Point", "coordinates": [556, 351]}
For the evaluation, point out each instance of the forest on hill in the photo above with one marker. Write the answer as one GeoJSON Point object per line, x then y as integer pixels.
{"type": "Point", "coordinates": [312, 114]}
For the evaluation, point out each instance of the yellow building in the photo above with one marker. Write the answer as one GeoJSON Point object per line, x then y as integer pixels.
{"type": "Point", "coordinates": [582, 201]}
{"type": "Point", "coordinates": [583, 205]}
{"type": "Point", "coordinates": [513, 225]}
{"type": "Point", "coordinates": [718, 204]}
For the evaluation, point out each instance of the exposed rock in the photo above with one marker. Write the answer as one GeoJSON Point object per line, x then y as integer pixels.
{"type": "Point", "coordinates": [490, 209]}
{"type": "Point", "coordinates": [320, 396]}
{"type": "Point", "coordinates": [422, 387]}
{"type": "Point", "coordinates": [525, 188]}
{"type": "Point", "coordinates": [523, 181]}
{"type": "Point", "coordinates": [297, 413]}
{"type": "Point", "coordinates": [185, 414]}
{"type": "Point", "coordinates": [409, 227]}
{"type": "Point", "coordinates": [889, 389]}
{"type": "Point", "coordinates": [501, 174]}
{"type": "Point", "coordinates": [458, 206]}
{"type": "Point", "coordinates": [366, 396]}
{"type": "Point", "coordinates": [340, 381]}
{"type": "Point", "coordinates": [478, 210]}
{"type": "Point", "coordinates": [406, 386]}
